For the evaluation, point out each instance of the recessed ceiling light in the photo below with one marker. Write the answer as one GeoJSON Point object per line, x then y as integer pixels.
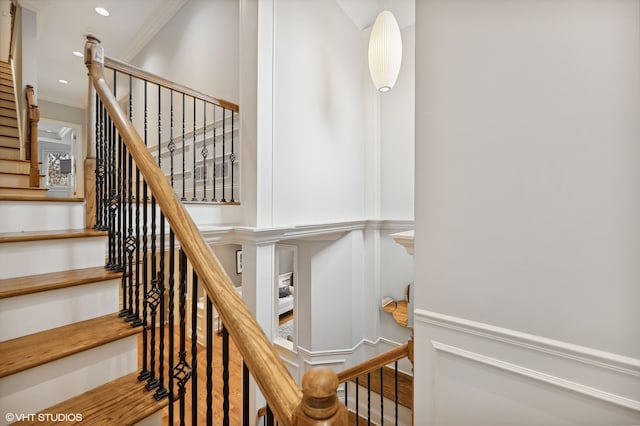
{"type": "Point", "coordinates": [62, 81]}
{"type": "Point", "coordinates": [78, 54]}
{"type": "Point", "coordinates": [102, 11]}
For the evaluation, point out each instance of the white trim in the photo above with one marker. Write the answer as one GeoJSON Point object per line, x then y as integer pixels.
{"type": "Point", "coordinates": [150, 28]}
{"type": "Point", "coordinates": [329, 230]}
{"type": "Point", "coordinates": [294, 365]}
{"type": "Point", "coordinates": [353, 349]}
{"type": "Point", "coordinates": [589, 356]}
{"type": "Point", "coordinates": [324, 362]}
{"type": "Point", "coordinates": [537, 375]}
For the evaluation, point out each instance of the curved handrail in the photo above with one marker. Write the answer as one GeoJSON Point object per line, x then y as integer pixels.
{"type": "Point", "coordinates": [376, 362]}
{"type": "Point", "coordinates": [259, 355]}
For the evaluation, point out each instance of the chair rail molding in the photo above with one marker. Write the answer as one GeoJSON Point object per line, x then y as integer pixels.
{"type": "Point", "coordinates": [611, 379]}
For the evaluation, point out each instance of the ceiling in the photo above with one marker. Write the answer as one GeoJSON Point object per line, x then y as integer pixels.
{"type": "Point", "coordinates": [63, 24]}
{"type": "Point", "coordinates": [363, 12]}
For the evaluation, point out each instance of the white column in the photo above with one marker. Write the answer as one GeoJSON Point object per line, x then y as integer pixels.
{"type": "Point", "coordinates": [256, 116]}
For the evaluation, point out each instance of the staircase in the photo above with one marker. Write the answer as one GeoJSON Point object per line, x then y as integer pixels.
{"type": "Point", "coordinates": [14, 171]}
{"type": "Point", "coordinates": [67, 354]}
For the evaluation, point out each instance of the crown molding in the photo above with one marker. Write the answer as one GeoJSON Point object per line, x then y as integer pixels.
{"type": "Point", "coordinates": [150, 28]}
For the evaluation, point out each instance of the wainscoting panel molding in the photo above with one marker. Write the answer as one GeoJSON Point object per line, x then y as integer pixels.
{"type": "Point", "coordinates": [515, 374]}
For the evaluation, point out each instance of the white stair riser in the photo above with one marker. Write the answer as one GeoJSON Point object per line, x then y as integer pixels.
{"type": "Point", "coordinates": [34, 390]}
{"type": "Point", "coordinates": [41, 257]}
{"type": "Point", "coordinates": [31, 313]}
{"type": "Point", "coordinates": [41, 216]}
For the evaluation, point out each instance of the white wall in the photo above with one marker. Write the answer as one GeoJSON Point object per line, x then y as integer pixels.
{"type": "Point", "coordinates": [397, 135]}
{"type": "Point", "coordinates": [226, 254]}
{"type": "Point", "coordinates": [332, 282]}
{"type": "Point", "coordinates": [198, 48]}
{"type": "Point", "coordinates": [528, 212]}
{"type": "Point", "coordinates": [319, 117]}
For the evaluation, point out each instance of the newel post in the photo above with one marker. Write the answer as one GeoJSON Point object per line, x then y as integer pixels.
{"type": "Point", "coordinates": [320, 405]}
{"type": "Point", "coordinates": [92, 170]}
{"type": "Point", "coordinates": [32, 139]}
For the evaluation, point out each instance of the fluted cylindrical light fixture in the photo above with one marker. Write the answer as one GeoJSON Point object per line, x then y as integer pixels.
{"type": "Point", "coordinates": [385, 51]}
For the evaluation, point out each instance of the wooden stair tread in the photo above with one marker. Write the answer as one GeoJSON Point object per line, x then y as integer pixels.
{"type": "Point", "coordinates": [12, 172]}
{"type": "Point", "coordinates": [41, 199]}
{"type": "Point", "coordinates": [30, 351]}
{"type": "Point", "coordinates": [12, 287]}
{"type": "Point", "coordinates": [14, 237]}
{"type": "Point", "coordinates": [123, 401]}
{"type": "Point", "coordinates": [11, 191]}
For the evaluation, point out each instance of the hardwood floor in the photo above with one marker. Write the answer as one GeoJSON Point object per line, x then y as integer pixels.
{"type": "Point", "coordinates": [285, 317]}
{"type": "Point", "coordinates": [235, 383]}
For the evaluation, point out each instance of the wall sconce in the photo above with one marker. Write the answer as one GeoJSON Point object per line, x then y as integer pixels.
{"type": "Point", "coordinates": [385, 51]}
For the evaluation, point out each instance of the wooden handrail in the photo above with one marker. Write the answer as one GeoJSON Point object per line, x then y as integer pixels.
{"type": "Point", "coordinates": [257, 352]}
{"type": "Point", "coordinates": [32, 138]}
{"type": "Point", "coordinates": [125, 68]}
{"type": "Point", "coordinates": [376, 362]}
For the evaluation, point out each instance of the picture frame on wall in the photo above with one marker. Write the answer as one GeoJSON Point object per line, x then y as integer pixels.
{"type": "Point", "coordinates": [238, 261]}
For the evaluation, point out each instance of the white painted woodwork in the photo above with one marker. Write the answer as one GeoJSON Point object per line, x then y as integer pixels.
{"type": "Point", "coordinates": [31, 313]}
{"type": "Point", "coordinates": [50, 256]}
{"type": "Point", "coordinates": [26, 216]}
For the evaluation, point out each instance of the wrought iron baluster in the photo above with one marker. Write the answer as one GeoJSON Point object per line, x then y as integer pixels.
{"type": "Point", "coordinates": [396, 388]}
{"type": "Point", "coordinates": [154, 296]}
{"type": "Point", "coordinates": [194, 151]}
{"type": "Point", "coordinates": [121, 195]}
{"type": "Point", "coordinates": [346, 394]}
{"type": "Point", "coordinates": [170, 331]}
{"type": "Point", "coordinates": [204, 151]}
{"type": "Point", "coordinates": [122, 219]}
{"type": "Point", "coordinates": [209, 316]}
{"type": "Point", "coordinates": [368, 398]}
{"type": "Point", "coordinates": [161, 392]}
{"type": "Point", "coordinates": [130, 242]}
{"type": "Point", "coordinates": [381, 396]}
{"type": "Point", "coordinates": [159, 127]}
{"type": "Point", "coordinates": [357, 401]}
{"type": "Point", "coordinates": [136, 314]}
{"type": "Point", "coordinates": [182, 371]}
{"type": "Point", "coordinates": [225, 376]}
{"type": "Point", "coordinates": [232, 158]}
{"type": "Point", "coordinates": [214, 199]}
{"type": "Point", "coordinates": [194, 348]}
{"type": "Point", "coordinates": [114, 197]}
{"type": "Point", "coordinates": [172, 144]}
{"type": "Point", "coordinates": [144, 372]}
{"type": "Point", "coordinates": [184, 155]}
{"type": "Point", "coordinates": [224, 154]}
{"type": "Point", "coordinates": [269, 417]}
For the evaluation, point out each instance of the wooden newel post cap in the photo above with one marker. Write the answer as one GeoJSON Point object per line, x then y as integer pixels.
{"type": "Point", "coordinates": [320, 405]}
